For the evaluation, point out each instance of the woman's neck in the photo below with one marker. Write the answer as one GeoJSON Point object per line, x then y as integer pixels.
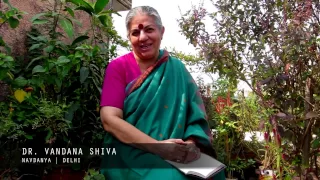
{"type": "Point", "coordinates": [144, 64]}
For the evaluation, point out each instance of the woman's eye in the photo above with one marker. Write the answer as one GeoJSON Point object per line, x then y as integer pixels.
{"type": "Point", "coordinates": [149, 30]}
{"type": "Point", "coordinates": [135, 33]}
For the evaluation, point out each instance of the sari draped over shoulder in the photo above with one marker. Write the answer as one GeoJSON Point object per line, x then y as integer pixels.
{"type": "Point", "coordinates": [164, 103]}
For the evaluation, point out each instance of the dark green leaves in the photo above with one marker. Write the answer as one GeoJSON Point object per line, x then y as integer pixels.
{"type": "Point", "coordinates": [13, 22]}
{"type": "Point", "coordinates": [100, 5]}
{"type": "Point", "coordinates": [79, 39]}
{"type": "Point", "coordinates": [84, 73]}
{"type": "Point", "coordinates": [83, 5]}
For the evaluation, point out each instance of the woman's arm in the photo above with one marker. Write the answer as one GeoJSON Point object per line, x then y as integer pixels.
{"type": "Point", "coordinates": [112, 121]}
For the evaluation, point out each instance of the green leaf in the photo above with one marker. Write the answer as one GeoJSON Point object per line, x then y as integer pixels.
{"type": "Point", "coordinates": [58, 84]}
{"type": "Point", "coordinates": [35, 17]}
{"type": "Point", "coordinates": [99, 177]}
{"type": "Point", "coordinates": [92, 171]}
{"type": "Point", "coordinates": [70, 11]}
{"type": "Point", "coordinates": [82, 5]}
{"type": "Point", "coordinates": [63, 60]}
{"type": "Point", "coordinates": [67, 27]}
{"type": "Point", "coordinates": [103, 19]}
{"type": "Point", "coordinates": [73, 108]}
{"type": "Point", "coordinates": [100, 5]}
{"type": "Point", "coordinates": [84, 9]}
{"type": "Point", "coordinates": [109, 12]}
{"type": "Point", "coordinates": [20, 81]}
{"type": "Point", "coordinates": [78, 2]}
{"type": "Point", "coordinates": [28, 136]}
{"type": "Point", "coordinates": [38, 69]}
{"type": "Point", "coordinates": [316, 143]}
{"type": "Point", "coordinates": [13, 22]}
{"type": "Point", "coordinates": [79, 39]}
{"type": "Point", "coordinates": [34, 46]}
{"type": "Point", "coordinates": [49, 49]}
{"type": "Point", "coordinates": [2, 43]}
{"type": "Point", "coordinates": [49, 135]}
{"type": "Point", "coordinates": [40, 21]}
{"type": "Point", "coordinates": [84, 73]}
{"type": "Point", "coordinates": [8, 59]}
{"type": "Point", "coordinates": [79, 54]}
{"type": "Point", "coordinates": [33, 60]}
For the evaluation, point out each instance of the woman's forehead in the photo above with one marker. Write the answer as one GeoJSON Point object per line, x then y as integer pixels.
{"type": "Point", "coordinates": [142, 19]}
{"type": "Point", "coordinates": [141, 26]}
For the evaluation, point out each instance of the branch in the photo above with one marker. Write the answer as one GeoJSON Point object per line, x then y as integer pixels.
{"type": "Point", "coordinates": [315, 15]}
{"type": "Point", "coordinates": [307, 101]}
{"type": "Point", "coordinates": [3, 23]}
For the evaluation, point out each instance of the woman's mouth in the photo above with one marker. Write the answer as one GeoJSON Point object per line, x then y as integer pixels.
{"type": "Point", "coordinates": [145, 47]}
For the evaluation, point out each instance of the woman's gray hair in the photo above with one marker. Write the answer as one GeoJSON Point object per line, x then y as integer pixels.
{"type": "Point", "coordinates": [150, 11]}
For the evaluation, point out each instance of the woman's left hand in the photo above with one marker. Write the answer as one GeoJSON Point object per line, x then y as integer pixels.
{"type": "Point", "coordinates": [194, 152]}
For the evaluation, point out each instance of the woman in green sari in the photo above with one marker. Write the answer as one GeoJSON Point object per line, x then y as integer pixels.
{"type": "Point", "coordinates": [151, 108]}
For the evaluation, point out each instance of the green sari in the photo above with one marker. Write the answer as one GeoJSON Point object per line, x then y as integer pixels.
{"type": "Point", "coordinates": [164, 103]}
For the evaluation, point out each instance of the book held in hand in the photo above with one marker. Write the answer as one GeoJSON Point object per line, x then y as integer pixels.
{"type": "Point", "coordinates": [204, 167]}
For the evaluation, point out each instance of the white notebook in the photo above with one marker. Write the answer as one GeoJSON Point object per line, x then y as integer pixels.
{"type": "Point", "coordinates": [205, 167]}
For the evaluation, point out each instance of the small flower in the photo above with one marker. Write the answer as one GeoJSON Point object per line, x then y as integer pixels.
{"type": "Point", "coordinates": [285, 157]}
{"type": "Point", "coordinates": [278, 139]}
{"type": "Point", "coordinates": [266, 136]}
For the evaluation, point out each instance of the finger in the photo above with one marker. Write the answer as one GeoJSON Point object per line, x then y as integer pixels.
{"type": "Point", "coordinates": [178, 157]}
{"type": "Point", "coordinates": [198, 153]}
{"type": "Point", "coordinates": [179, 141]}
{"type": "Point", "coordinates": [188, 157]}
{"type": "Point", "coordinates": [193, 154]}
{"type": "Point", "coordinates": [181, 148]}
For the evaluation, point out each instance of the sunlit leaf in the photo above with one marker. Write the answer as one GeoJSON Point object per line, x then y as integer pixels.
{"type": "Point", "coordinates": [20, 95]}
{"type": "Point", "coordinates": [67, 27]}
{"type": "Point", "coordinates": [40, 21]}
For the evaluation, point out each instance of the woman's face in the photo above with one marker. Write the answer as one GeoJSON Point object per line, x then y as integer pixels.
{"type": "Point", "coordinates": [145, 37]}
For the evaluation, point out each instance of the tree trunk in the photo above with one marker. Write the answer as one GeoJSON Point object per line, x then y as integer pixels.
{"type": "Point", "coordinates": [307, 127]}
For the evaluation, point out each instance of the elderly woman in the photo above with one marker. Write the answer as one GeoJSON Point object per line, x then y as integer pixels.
{"type": "Point", "coordinates": [151, 107]}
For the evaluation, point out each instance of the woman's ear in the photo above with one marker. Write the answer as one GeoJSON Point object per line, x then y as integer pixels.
{"type": "Point", "coordinates": [162, 32]}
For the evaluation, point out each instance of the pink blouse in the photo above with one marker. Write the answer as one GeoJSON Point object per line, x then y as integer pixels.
{"type": "Point", "coordinates": [119, 73]}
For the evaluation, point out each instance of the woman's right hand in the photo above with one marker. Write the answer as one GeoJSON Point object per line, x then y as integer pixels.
{"type": "Point", "coordinates": [171, 149]}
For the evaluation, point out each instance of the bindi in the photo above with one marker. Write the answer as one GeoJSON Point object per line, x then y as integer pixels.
{"type": "Point", "coordinates": [140, 26]}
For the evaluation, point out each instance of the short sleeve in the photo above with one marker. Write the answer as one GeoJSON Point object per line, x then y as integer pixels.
{"type": "Point", "coordinates": [113, 89]}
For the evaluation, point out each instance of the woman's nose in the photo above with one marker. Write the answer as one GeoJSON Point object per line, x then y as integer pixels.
{"type": "Point", "coordinates": [143, 36]}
